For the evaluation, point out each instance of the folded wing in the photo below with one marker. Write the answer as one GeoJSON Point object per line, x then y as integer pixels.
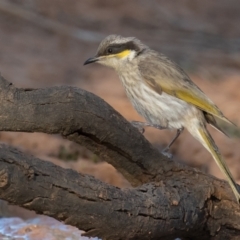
{"type": "Point", "coordinates": [166, 76]}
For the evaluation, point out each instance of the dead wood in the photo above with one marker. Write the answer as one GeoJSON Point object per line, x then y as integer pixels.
{"type": "Point", "coordinates": [169, 200]}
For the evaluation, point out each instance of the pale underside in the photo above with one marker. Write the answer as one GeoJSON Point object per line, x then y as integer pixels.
{"type": "Point", "coordinates": [161, 109]}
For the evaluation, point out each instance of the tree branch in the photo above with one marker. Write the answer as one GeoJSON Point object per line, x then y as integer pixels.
{"type": "Point", "coordinates": [180, 201]}
{"type": "Point", "coordinates": [153, 211]}
{"type": "Point", "coordinates": [84, 118]}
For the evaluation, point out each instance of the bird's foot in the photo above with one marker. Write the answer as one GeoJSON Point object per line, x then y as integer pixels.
{"type": "Point", "coordinates": [166, 153]}
{"type": "Point", "coordinates": [139, 126]}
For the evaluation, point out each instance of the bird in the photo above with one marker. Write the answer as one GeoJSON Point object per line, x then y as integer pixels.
{"type": "Point", "coordinates": [163, 94]}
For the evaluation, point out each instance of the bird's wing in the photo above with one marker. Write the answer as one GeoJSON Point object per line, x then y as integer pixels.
{"type": "Point", "coordinates": [212, 121]}
{"type": "Point", "coordinates": [159, 72]}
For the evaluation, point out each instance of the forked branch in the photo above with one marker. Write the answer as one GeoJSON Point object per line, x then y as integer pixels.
{"type": "Point", "coordinates": [170, 200]}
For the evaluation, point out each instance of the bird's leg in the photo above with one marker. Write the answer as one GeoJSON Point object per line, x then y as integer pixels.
{"type": "Point", "coordinates": [140, 125]}
{"type": "Point", "coordinates": [166, 149]}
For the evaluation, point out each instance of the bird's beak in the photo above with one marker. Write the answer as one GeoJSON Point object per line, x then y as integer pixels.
{"type": "Point", "coordinates": [91, 60]}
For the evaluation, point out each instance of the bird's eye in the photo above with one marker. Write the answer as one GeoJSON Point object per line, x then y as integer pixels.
{"type": "Point", "coordinates": [109, 50]}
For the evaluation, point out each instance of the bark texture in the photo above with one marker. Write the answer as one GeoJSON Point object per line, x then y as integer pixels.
{"type": "Point", "coordinates": [169, 200]}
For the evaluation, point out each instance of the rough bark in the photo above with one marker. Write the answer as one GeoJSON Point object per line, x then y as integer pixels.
{"type": "Point", "coordinates": [170, 200]}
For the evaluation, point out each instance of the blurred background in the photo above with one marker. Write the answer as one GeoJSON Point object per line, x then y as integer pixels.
{"type": "Point", "coordinates": [44, 43]}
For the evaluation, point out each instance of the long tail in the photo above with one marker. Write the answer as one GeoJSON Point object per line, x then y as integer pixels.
{"type": "Point", "coordinates": [206, 139]}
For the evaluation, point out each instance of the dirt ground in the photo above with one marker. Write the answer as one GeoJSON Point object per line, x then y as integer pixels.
{"type": "Point", "coordinates": [203, 37]}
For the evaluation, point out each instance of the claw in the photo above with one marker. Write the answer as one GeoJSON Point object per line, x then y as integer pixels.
{"type": "Point", "coordinates": [167, 154]}
{"type": "Point", "coordinates": [138, 126]}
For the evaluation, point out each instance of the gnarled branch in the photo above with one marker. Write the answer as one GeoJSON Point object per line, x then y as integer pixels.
{"type": "Point", "coordinates": [174, 200]}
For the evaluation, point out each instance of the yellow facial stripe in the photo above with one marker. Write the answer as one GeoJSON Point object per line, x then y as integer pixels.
{"type": "Point", "coordinates": [123, 54]}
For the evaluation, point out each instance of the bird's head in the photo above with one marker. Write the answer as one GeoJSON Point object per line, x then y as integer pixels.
{"type": "Point", "coordinates": [114, 51]}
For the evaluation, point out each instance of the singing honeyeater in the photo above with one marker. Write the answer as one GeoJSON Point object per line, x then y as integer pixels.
{"type": "Point", "coordinates": [163, 93]}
